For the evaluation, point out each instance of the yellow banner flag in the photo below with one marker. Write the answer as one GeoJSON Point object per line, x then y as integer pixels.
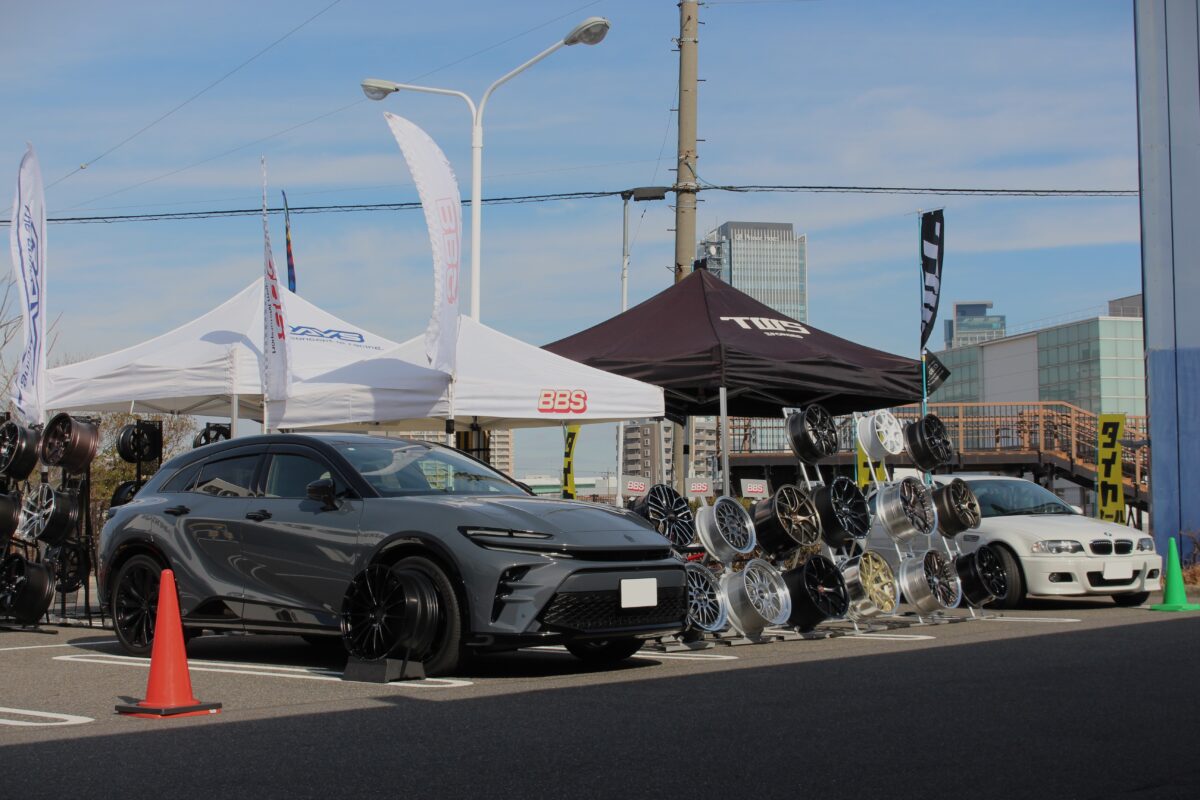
{"type": "Point", "coordinates": [862, 469]}
{"type": "Point", "coordinates": [570, 434]}
{"type": "Point", "coordinates": [1110, 484]}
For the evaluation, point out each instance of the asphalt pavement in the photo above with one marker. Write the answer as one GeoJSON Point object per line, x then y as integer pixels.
{"type": "Point", "coordinates": [1069, 699]}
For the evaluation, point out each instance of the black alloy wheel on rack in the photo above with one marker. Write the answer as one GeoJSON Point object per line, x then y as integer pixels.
{"type": "Point", "coordinates": [124, 492]}
{"type": "Point", "coordinates": [48, 515]}
{"type": "Point", "coordinates": [786, 520]}
{"type": "Point", "coordinates": [26, 589]}
{"type": "Point", "coordinates": [18, 450]}
{"type": "Point", "coordinates": [213, 432]}
{"type": "Point", "coordinates": [139, 442]}
{"type": "Point", "coordinates": [69, 442]}
{"type": "Point", "coordinates": [957, 507]}
{"type": "Point", "coordinates": [927, 442]}
{"type": "Point", "coordinates": [10, 518]}
{"type": "Point", "coordinates": [982, 576]}
{"type": "Point", "coordinates": [70, 564]}
{"type": "Point", "coordinates": [843, 510]}
{"type": "Point", "coordinates": [812, 434]}
{"type": "Point", "coordinates": [387, 609]}
{"type": "Point", "coordinates": [668, 512]}
{"type": "Point", "coordinates": [818, 593]}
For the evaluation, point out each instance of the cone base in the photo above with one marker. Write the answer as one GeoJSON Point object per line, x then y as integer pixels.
{"type": "Point", "coordinates": [1175, 607]}
{"type": "Point", "coordinates": [158, 712]}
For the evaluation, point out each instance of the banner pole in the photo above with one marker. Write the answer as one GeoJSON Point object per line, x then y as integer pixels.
{"type": "Point", "coordinates": [920, 332]}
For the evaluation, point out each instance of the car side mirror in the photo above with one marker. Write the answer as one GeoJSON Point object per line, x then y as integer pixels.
{"type": "Point", "coordinates": [1077, 509]}
{"type": "Point", "coordinates": [322, 490]}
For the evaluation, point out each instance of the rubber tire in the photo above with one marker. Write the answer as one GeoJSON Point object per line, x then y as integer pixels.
{"type": "Point", "coordinates": [140, 559]}
{"type": "Point", "coordinates": [448, 651]}
{"type": "Point", "coordinates": [604, 652]}
{"type": "Point", "coordinates": [1016, 580]}
{"type": "Point", "coordinates": [1131, 599]}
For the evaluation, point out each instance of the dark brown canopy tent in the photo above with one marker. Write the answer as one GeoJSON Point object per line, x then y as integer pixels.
{"type": "Point", "coordinates": [702, 335]}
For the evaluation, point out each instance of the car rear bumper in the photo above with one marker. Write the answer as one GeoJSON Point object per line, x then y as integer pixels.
{"type": "Point", "coordinates": [1095, 575]}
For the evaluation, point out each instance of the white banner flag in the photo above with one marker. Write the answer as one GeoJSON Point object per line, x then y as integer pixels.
{"type": "Point", "coordinates": [27, 240]}
{"type": "Point", "coordinates": [276, 377]}
{"type": "Point", "coordinates": [442, 204]}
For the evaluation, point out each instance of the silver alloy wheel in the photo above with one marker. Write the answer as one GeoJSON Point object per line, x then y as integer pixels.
{"type": "Point", "coordinates": [906, 509]}
{"type": "Point", "coordinates": [930, 582]}
{"type": "Point", "coordinates": [37, 508]}
{"type": "Point", "coordinates": [725, 529]}
{"type": "Point", "coordinates": [872, 586]}
{"type": "Point", "coordinates": [880, 435]}
{"type": "Point", "coordinates": [707, 610]}
{"type": "Point", "coordinates": [756, 596]}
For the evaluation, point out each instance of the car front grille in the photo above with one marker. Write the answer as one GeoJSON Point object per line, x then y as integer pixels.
{"type": "Point", "coordinates": [597, 611]}
{"type": "Point", "coordinates": [1123, 547]}
{"type": "Point", "coordinates": [1098, 580]}
{"type": "Point", "coordinates": [1102, 547]}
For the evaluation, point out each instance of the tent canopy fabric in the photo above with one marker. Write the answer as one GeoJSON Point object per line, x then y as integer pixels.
{"type": "Point", "coordinates": [701, 334]}
{"type": "Point", "coordinates": [499, 382]}
{"type": "Point", "coordinates": [197, 367]}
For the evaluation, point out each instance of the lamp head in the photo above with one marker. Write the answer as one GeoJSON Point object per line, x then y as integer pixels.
{"type": "Point", "coordinates": [376, 89]}
{"type": "Point", "coordinates": [591, 31]}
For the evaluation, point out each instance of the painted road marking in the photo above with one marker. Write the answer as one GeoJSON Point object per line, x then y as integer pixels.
{"type": "Point", "coordinates": [1029, 619]}
{"type": "Point", "coordinates": [263, 670]}
{"type": "Point", "coordinates": [557, 648]}
{"type": "Point", "coordinates": [54, 719]}
{"type": "Point", "coordinates": [891, 637]}
{"type": "Point", "coordinates": [43, 646]}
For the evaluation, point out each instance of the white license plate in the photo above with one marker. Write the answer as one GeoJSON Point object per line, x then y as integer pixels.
{"type": "Point", "coordinates": [639, 592]}
{"type": "Point", "coordinates": [1117, 570]}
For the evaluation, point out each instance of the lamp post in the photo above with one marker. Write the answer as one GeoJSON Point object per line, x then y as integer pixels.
{"type": "Point", "coordinates": [591, 31]}
{"type": "Point", "coordinates": [637, 195]}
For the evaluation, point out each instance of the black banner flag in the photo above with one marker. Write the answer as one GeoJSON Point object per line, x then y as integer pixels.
{"type": "Point", "coordinates": [933, 245]}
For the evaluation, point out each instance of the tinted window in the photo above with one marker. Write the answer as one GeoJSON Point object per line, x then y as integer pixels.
{"type": "Point", "coordinates": [230, 477]}
{"type": "Point", "coordinates": [289, 475]}
{"type": "Point", "coordinates": [406, 468]}
{"type": "Point", "coordinates": [182, 480]}
{"type": "Point", "coordinates": [1010, 497]}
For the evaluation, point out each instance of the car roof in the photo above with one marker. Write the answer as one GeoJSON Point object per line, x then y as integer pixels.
{"type": "Point", "coordinates": [977, 476]}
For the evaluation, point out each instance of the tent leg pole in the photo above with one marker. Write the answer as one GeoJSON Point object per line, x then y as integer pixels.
{"type": "Point", "coordinates": [727, 482]}
{"type": "Point", "coordinates": [620, 501]}
{"type": "Point", "coordinates": [233, 415]}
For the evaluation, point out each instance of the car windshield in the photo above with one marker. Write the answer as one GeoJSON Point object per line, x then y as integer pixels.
{"type": "Point", "coordinates": [1009, 497]}
{"type": "Point", "coordinates": [411, 468]}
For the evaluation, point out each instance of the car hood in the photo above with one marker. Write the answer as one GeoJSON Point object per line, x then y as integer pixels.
{"type": "Point", "coordinates": [1035, 527]}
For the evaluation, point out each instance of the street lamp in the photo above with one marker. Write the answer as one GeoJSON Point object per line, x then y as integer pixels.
{"type": "Point", "coordinates": [637, 195]}
{"type": "Point", "coordinates": [591, 31]}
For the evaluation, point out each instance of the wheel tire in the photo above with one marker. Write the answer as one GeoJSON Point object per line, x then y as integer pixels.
{"type": "Point", "coordinates": [604, 652]}
{"type": "Point", "coordinates": [1016, 580]}
{"type": "Point", "coordinates": [447, 651]}
{"type": "Point", "coordinates": [134, 604]}
{"type": "Point", "coordinates": [1131, 599]}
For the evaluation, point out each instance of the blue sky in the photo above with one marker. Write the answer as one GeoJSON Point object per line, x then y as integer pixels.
{"type": "Point", "coordinates": [953, 94]}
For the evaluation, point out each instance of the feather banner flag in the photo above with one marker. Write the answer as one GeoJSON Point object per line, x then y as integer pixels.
{"type": "Point", "coordinates": [276, 377]}
{"type": "Point", "coordinates": [27, 241]}
{"type": "Point", "coordinates": [287, 235]}
{"type": "Point", "coordinates": [933, 245]}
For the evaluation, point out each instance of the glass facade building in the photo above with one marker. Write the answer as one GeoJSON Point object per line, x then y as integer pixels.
{"type": "Point", "coordinates": [972, 324]}
{"type": "Point", "coordinates": [766, 260]}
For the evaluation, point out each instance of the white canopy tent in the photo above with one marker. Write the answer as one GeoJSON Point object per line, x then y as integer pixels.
{"type": "Point", "coordinates": [500, 382]}
{"type": "Point", "coordinates": [205, 366]}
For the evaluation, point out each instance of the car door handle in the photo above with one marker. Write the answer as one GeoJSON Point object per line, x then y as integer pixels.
{"type": "Point", "coordinates": [259, 516]}
{"type": "Point", "coordinates": [176, 511]}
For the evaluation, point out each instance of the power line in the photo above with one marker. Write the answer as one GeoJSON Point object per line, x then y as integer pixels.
{"type": "Point", "coordinates": [929, 190]}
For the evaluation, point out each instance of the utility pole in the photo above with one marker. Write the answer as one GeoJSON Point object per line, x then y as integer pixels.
{"type": "Point", "coordinates": [685, 183]}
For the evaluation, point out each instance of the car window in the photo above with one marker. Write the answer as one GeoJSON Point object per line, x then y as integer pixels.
{"type": "Point", "coordinates": [182, 480]}
{"type": "Point", "coordinates": [230, 477]}
{"type": "Point", "coordinates": [289, 475]}
{"type": "Point", "coordinates": [405, 468]}
{"type": "Point", "coordinates": [1005, 498]}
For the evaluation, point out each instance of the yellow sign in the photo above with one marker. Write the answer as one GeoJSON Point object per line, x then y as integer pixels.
{"type": "Point", "coordinates": [862, 470]}
{"type": "Point", "coordinates": [570, 434]}
{"type": "Point", "coordinates": [1110, 486]}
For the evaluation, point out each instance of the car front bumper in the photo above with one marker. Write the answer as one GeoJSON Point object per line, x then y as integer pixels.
{"type": "Point", "coordinates": [1097, 575]}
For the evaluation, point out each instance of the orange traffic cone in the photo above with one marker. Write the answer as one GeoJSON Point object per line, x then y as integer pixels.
{"type": "Point", "coordinates": [169, 690]}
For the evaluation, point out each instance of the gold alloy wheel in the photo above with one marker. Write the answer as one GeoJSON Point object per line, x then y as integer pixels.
{"type": "Point", "coordinates": [878, 581]}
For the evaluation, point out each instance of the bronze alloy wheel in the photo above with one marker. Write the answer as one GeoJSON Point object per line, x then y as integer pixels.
{"type": "Point", "coordinates": [69, 442]}
{"type": "Point", "coordinates": [18, 450]}
{"type": "Point", "coordinates": [786, 520]}
{"type": "Point", "coordinates": [957, 507]}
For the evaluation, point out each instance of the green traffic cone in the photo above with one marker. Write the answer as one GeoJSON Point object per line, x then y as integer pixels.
{"type": "Point", "coordinates": [1174, 595]}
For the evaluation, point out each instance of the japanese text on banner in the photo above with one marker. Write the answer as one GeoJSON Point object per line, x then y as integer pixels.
{"type": "Point", "coordinates": [1110, 486]}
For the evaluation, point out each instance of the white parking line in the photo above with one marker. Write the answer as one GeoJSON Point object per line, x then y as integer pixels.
{"type": "Point", "coordinates": [44, 646]}
{"type": "Point", "coordinates": [557, 648]}
{"type": "Point", "coordinates": [263, 670]}
{"type": "Point", "coordinates": [1029, 619]}
{"type": "Point", "coordinates": [54, 719]}
{"type": "Point", "coordinates": [891, 637]}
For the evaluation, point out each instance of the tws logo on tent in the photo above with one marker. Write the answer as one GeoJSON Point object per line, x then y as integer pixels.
{"type": "Point", "coordinates": [769, 326]}
{"type": "Point", "coordinates": [562, 401]}
{"type": "Point", "coordinates": [328, 334]}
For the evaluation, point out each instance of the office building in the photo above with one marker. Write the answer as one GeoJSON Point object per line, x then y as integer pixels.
{"type": "Point", "coordinates": [766, 260]}
{"type": "Point", "coordinates": [648, 442]}
{"type": "Point", "coordinates": [971, 324]}
{"type": "Point", "coordinates": [499, 443]}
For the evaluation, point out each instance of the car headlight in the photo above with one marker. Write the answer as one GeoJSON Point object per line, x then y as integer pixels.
{"type": "Point", "coordinates": [1057, 546]}
{"type": "Point", "coordinates": [511, 541]}
{"type": "Point", "coordinates": [1146, 545]}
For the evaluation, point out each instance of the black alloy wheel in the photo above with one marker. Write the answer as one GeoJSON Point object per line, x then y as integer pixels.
{"type": "Point", "coordinates": [669, 513]}
{"type": "Point", "coordinates": [139, 442]}
{"type": "Point", "coordinates": [786, 520]}
{"type": "Point", "coordinates": [604, 652]}
{"type": "Point", "coordinates": [1016, 579]}
{"type": "Point", "coordinates": [18, 450]}
{"type": "Point", "coordinates": [70, 563]}
{"type": "Point", "coordinates": [982, 575]}
{"type": "Point", "coordinates": [211, 433]}
{"type": "Point", "coordinates": [124, 492]}
{"type": "Point", "coordinates": [957, 507]}
{"type": "Point", "coordinates": [135, 603]}
{"type": "Point", "coordinates": [927, 442]}
{"type": "Point", "coordinates": [916, 505]}
{"type": "Point", "coordinates": [812, 434]}
{"type": "Point", "coordinates": [69, 442]}
{"type": "Point", "coordinates": [10, 518]}
{"type": "Point", "coordinates": [818, 593]}
{"type": "Point", "coordinates": [48, 514]}
{"type": "Point", "coordinates": [843, 510]}
{"type": "Point", "coordinates": [26, 589]}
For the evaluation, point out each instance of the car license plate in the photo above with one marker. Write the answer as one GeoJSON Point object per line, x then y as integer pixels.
{"type": "Point", "coordinates": [1117, 570]}
{"type": "Point", "coordinates": [639, 592]}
